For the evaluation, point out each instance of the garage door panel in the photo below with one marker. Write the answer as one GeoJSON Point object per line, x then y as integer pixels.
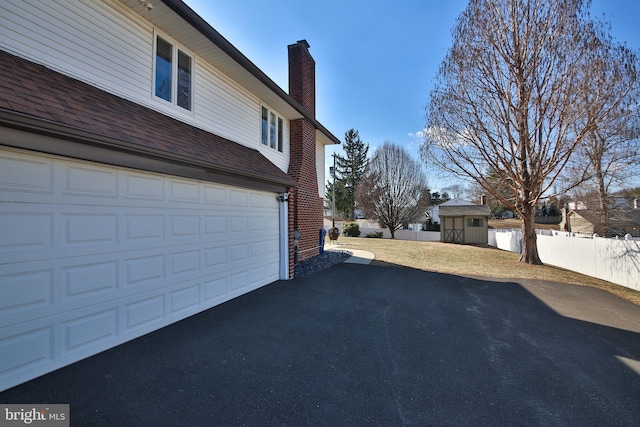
{"type": "Point", "coordinates": [25, 231]}
{"type": "Point", "coordinates": [46, 287]}
{"type": "Point", "coordinates": [62, 338]}
{"type": "Point", "coordinates": [89, 229]}
{"type": "Point", "coordinates": [78, 233]}
{"type": "Point", "coordinates": [238, 198]}
{"type": "Point", "coordinates": [184, 191]}
{"type": "Point", "coordinates": [144, 312]}
{"type": "Point", "coordinates": [184, 299]}
{"type": "Point", "coordinates": [25, 350]}
{"type": "Point", "coordinates": [183, 226]}
{"type": "Point", "coordinates": [258, 249]}
{"type": "Point", "coordinates": [92, 256]}
{"type": "Point", "coordinates": [144, 270]}
{"type": "Point", "coordinates": [26, 290]}
{"type": "Point", "coordinates": [144, 227]}
{"type": "Point", "coordinates": [90, 180]}
{"type": "Point", "coordinates": [214, 225]}
{"type": "Point", "coordinates": [214, 291]}
{"type": "Point", "coordinates": [184, 262]}
{"type": "Point", "coordinates": [89, 280]}
{"type": "Point", "coordinates": [214, 257]}
{"type": "Point", "coordinates": [90, 329]}
{"type": "Point", "coordinates": [214, 195]}
{"type": "Point", "coordinates": [143, 187]}
{"type": "Point", "coordinates": [238, 224]}
{"type": "Point", "coordinates": [38, 180]}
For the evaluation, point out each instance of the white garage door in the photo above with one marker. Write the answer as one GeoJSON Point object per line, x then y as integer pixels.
{"type": "Point", "coordinates": [92, 256]}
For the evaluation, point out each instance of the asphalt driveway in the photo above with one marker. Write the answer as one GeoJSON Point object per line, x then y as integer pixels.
{"type": "Point", "coordinates": [367, 345]}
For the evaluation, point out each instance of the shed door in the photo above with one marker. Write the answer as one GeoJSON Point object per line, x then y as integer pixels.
{"type": "Point", "coordinates": [453, 229]}
{"type": "Point", "coordinates": [92, 256]}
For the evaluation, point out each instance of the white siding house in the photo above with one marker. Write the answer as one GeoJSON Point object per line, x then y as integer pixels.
{"type": "Point", "coordinates": [139, 182]}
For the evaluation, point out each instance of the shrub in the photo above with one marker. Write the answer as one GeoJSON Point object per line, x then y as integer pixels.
{"type": "Point", "coordinates": [431, 226]}
{"type": "Point", "coordinates": [351, 229]}
{"type": "Point", "coordinates": [375, 235]}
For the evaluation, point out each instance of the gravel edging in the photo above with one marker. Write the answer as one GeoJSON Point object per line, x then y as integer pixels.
{"type": "Point", "coordinates": [320, 262]}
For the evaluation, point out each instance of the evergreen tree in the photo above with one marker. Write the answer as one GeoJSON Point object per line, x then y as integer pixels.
{"type": "Point", "coordinates": [342, 206]}
{"type": "Point", "coordinates": [349, 171]}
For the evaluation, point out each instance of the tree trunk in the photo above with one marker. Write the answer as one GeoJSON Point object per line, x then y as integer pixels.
{"type": "Point", "coordinates": [602, 228]}
{"type": "Point", "coordinates": [529, 239]}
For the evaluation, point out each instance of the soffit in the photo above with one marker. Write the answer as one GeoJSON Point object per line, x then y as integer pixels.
{"type": "Point", "coordinates": [218, 52]}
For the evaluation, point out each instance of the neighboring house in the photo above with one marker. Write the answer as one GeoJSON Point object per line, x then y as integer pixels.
{"type": "Point", "coordinates": [622, 221]}
{"type": "Point", "coordinates": [148, 171]}
{"type": "Point", "coordinates": [433, 213]}
{"type": "Point", "coordinates": [463, 222]}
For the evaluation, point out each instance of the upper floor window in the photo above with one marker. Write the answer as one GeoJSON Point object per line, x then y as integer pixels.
{"type": "Point", "coordinates": [272, 129]}
{"type": "Point", "coordinates": [173, 74]}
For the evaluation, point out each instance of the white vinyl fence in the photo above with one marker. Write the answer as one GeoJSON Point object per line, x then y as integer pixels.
{"type": "Point", "coordinates": [613, 260]}
{"type": "Point", "coordinates": [421, 236]}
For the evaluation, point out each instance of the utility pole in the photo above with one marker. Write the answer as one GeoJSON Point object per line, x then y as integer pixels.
{"type": "Point", "coordinates": [333, 197]}
{"type": "Point", "coordinates": [333, 232]}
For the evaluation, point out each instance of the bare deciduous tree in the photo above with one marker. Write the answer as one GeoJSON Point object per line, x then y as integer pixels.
{"type": "Point", "coordinates": [610, 151]}
{"type": "Point", "coordinates": [507, 98]}
{"type": "Point", "coordinates": [394, 188]}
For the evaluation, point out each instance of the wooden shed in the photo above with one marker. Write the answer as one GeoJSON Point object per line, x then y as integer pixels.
{"type": "Point", "coordinates": [463, 222]}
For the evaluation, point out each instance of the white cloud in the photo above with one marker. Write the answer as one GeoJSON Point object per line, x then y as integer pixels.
{"type": "Point", "coordinates": [421, 134]}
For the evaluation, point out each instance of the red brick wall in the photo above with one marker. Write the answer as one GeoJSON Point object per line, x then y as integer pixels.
{"type": "Point", "coordinates": [305, 205]}
{"type": "Point", "coordinates": [302, 76]}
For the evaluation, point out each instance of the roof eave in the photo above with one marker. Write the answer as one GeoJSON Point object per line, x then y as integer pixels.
{"type": "Point", "coordinates": [196, 21]}
{"type": "Point", "coordinates": [24, 122]}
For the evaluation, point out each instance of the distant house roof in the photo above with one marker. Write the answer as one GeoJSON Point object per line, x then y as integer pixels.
{"type": "Point", "coordinates": [621, 221]}
{"type": "Point", "coordinates": [37, 99]}
{"type": "Point", "coordinates": [460, 207]}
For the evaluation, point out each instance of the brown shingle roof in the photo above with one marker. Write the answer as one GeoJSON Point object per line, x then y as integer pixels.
{"type": "Point", "coordinates": [34, 93]}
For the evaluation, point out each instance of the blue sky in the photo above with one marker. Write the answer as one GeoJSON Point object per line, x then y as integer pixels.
{"type": "Point", "coordinates": [375, 60]}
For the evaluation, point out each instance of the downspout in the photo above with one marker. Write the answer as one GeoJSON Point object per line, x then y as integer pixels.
{"type": "Point", "coordinates": [284, 235]}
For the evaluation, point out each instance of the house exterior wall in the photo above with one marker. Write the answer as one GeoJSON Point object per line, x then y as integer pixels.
{"type": "Point", "coordinates": [580, 224]}
{"type": "Point", "coordinates": [456, 229]}
{"type": "Point", "coordinates": [305, 206]}
{"type": "Point", "coordinates": [320, 170]}
{"type": "Point", "coordinates": [476, 234]}
{"type": "Point", "coordinates": [305, 213]}
{"type": "Point", "coordinates": [110, 46]}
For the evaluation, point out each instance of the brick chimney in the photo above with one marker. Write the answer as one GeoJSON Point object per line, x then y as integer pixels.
{"type": "Point", "coordinates": [305, 203]}
{"type": "Point", "coordinates": [302, 76]}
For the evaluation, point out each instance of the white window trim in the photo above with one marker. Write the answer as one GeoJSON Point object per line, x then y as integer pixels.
{"type": "Point", "coordinates": [175, 46]}
{"type": "Point", "coordinates": [280, 130]}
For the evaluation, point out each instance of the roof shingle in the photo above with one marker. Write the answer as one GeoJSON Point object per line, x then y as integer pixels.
{"type": "Point", "coordinates": [32, 90]}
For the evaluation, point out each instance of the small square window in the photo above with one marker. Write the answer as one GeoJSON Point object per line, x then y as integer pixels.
{"type": "Point", "coordinates": [474, 222]}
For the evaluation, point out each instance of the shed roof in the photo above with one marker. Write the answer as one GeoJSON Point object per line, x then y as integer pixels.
{"type": "Point", "coordinates": [460, 207]}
